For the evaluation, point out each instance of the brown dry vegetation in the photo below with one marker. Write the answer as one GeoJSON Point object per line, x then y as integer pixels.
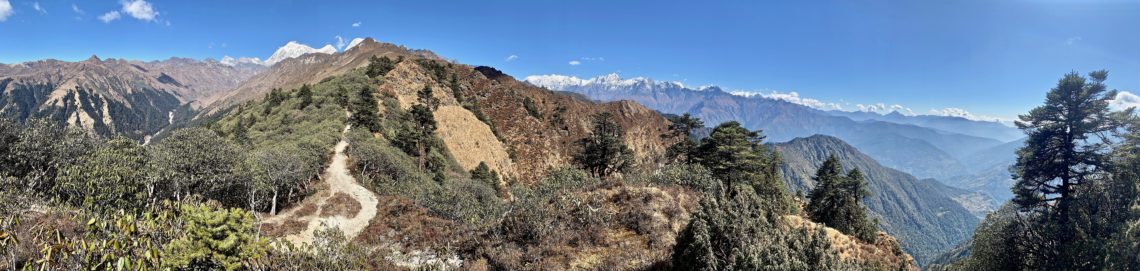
{"type": "Point", "coordinates": [284, 228]}
{"type": "Point", "coordinates": [612, 226]}
{"type": "Point", "coordinates": [341, 204]}
{"type": "Point", "coordinates": [533, 145]}
{"type": "Point", "coordinates": [884, 252]}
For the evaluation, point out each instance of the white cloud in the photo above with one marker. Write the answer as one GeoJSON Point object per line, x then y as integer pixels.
{"type": "Point", "coordinates": [36, 6]}
{"type": "Point", "coordinates": [511, 58]}
{"type": "Point", "coordinates": [794, 97]}
{"type": "Point", "coordinates": [594, 58]}
{"type": "Point", "coordinates": [230, 61]}
{"type": "Point", "coordinates": [952, 112]}
{"type": "Point", "coordinates": [962, 113]}
{"type": "Point", "coordinates": [575, 63]}
{"type": "Point", "coordinates": [110, 16]}
{"type": "Point", "coordinates": [1073, 40]}
{"type": "Point", "coordinates": [5, 10]}
{"type": "Point", "coordinates": [139, 9]}
{"type": "Point", "coordinates": [77, 10]}
{"type": "Point", "coordinates": [1125, 100]}
{"type": "Point", "coordinates": [356, 24]}
{"type": "Point", "coordinates": [340, 42]}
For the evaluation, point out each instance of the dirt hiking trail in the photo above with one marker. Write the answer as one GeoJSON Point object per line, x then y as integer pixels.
{"type": "Point", "coordinates": [327, 212]}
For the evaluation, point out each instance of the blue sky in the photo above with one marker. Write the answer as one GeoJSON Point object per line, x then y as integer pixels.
{"type": "Point", "coordinates": [993, 58]}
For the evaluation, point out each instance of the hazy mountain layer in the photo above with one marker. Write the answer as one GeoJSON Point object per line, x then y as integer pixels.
{"type": "Point", "coordinates": [923, 214]}
{"type": "Point", "coordinates": [922, 151]}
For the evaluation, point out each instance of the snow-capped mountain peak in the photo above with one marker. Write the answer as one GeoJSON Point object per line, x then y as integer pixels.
{"type": "Point", "coordinates": [295, 49]}
{"type": "Point", "coordinates": [230, 61]}
{"type": "Point", "coordinates": [353, 43]}
{"type": "Point", "coordinates": [328, 49]}
{"type": "Point", "coordinates": [611, 81]}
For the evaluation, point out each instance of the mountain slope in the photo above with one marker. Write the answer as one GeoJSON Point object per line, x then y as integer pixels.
{"type": "Point", "coordinates": [924, 218]}
{"type": "Point", "coordinates": [309, 68]}
{"type": "Point", "coordinates": [112, 97]}
{"type": "Point", "coordinates": [921, 151]}
{"type": "Point", "coordinates": [518, 129]}
{"type": "Point", "coordinates": [990, 168]}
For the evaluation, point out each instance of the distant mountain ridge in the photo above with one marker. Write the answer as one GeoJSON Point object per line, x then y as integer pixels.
{"type": "Point", "coordinates": [923, 151]}
{"type": "Point", "coordinates": [310, 68]}
{"type": "Point", "coordinates": [113, 97]}
{"type": "Point", "coordinates": [959, 125]}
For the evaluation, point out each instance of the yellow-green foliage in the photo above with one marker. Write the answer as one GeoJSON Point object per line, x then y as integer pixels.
{"type": "Point", "coordinates": [113, 176]}
{"type": "Point", "coordinates": [170, 236]}
{"type": "Point", "coordinates": [215, 239]}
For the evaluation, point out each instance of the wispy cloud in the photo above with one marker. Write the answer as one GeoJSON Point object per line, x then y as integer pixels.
{"type": "Point", "coordinates": [1125, 100]}
{"type": "Point", "coordinates": [511, 58]}
{"type": "Point", "coordinates": [963, 113]}
{"type": "Point", "coordinates": [356, 24]}
{"type": "Point", "coordinates": [36, 6]}
{"type": "Point", "coordinates": [575, 63]}
{"type": "Point", "coordinates": [5, 10]}
{"type": "Point", "coordinates": [77, 10]}
{"type": "Point", "coordinates": [1073, 40]}
{"type": "Point", "coordinates": [340, 43]}
{"type": "Point", "coordinates": [884, 108]}
{"type": "Point", "coordinates": [594, 58]}
{"type": "Point", "coordinates": [139, 9]}
{"type": "Point", "coordinates": [110, 16]}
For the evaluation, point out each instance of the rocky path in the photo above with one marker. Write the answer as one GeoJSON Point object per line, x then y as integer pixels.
{"type": "Point", "coordinates": [338, 181]}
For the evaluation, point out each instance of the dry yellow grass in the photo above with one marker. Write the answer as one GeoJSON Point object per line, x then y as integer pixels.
{"type": "Point", "coordinates": [884, 252]}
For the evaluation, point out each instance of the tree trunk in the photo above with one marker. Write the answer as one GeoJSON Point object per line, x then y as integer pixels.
{"type": "Point", "coordinates": [273, 209]}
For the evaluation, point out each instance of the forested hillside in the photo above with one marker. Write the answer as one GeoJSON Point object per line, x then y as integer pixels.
{"type": "Point", "coordinates": [414, 163]}
{"type": "Point", "coordinates": [114, 96]}
{"type": "Point", "coordinates": [921, 213]}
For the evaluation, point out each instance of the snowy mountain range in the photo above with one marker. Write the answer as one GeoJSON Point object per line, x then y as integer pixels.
{"type": "Point", "coordinates": [923, 145]}
{"type": "Point", "coordinates": [295, 49]}
{"type": "Point", "coordinates": [291, 49]}
{"type": "Point", "coordinates": [612, 82]}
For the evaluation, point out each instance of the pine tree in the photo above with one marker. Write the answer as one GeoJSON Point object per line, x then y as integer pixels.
{"type": "Point", "coordinates": [696, 249]}
{"type": "Point", "coordinates": [379, 66]}
{"type": "Point", "coordinates": [604, 152]}
{"type": "Point", "coordinates": [424, 130]}
{"type": "Point", "coordinates": [215, 239]}
{"type": "Point", "coordinates": [365, 110]}
{"type": "Point", "coordinates": [682, 129]}
{"type": "Point", "coordinates": [835, 200]}
{"type": "Point", "coordinates": [485, 174]}
{"type": "Point", "coordinates": [305, 94]}
{"type": "Point", "coordinates": [736, 155]}
{"type": "Point", "coordinates": [1065, 151]}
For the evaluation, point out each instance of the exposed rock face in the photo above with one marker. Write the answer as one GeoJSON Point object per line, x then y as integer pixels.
{"type": "Point", "coordinates": [112, 97]}
{"type": "Point", "coordinates": [540, 140]}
